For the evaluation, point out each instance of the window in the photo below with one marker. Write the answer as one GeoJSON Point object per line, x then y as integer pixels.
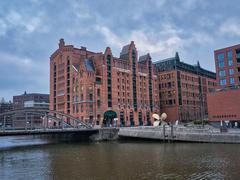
{"type": "Point", "coordinates": [220, 57]}
{"type": "Point", "coordinates": [109, 81]}
{"type": "Point", "coordinates": [98, 80]}
{"type": "Point", "coordinates": [229, 55]}
{"type": "Point", "coordinates": [221, 64]}
{"type": "Point", "coordinates": [232, 81]}
{"type": "Point", "coordinates": [98, 103]}
{"type": "Point", "coordinates": [98, 92]}
{"type": "Point", "coordinates": [223, 82]}
{"type": "Point", "coordinates": [222, 73]}
{"type": "Point", "coordinates": [238, 55]}
{"type": "Point", "coordinates": [90, 96]}
{"type": "Point", "coordinates": [231, 71]}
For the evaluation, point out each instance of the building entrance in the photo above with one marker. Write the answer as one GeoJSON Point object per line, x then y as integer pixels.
{"type": "Point", "coordinates": [108, 118]}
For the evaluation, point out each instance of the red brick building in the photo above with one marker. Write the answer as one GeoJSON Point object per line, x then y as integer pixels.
{"type": "Point", "coordinates": [183, 89]}
{"type": "Point", "coordinates": [223, 104]}
{"type": "Point", "coordinates": [227, 63]}
{"type": "Point", "coordinates": [99, 88]}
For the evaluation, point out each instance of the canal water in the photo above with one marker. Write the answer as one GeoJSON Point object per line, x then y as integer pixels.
{"type": "Point", "coordinates": [24, 158]}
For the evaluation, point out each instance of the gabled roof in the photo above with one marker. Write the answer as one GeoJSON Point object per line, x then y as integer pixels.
{"type": "Point", "coordinates": [89, 65]}
{"type": "Point", "coordinates": [125, 50]}
{"type": "Point", "coordinates": [144, 57]}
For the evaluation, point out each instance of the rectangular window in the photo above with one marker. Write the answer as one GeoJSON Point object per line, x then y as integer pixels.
{"type": "Point", "coordinates": [98, 92]}
{"type": "Point", "coordinates": [238, 55]}
{"type": "Point", "coordinates": [229, 55]}
{"type": "Point", "coordinates": [231, 71]}
{"type": "Point", "coordinates": [223, 82]}
{"type": "Point", "coordinates": [221, 64]}
{"type": "Point", "coordinates": [222, 73]}
{"type": "Point", "coordinates": [90, 97]}
{"type": "Point", "coordinates": [220, 57]}
{"type": "Point", "coordinates": [232, 81]}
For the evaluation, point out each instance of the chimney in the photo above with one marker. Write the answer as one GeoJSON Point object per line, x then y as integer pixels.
{"type": "Point", "coordinates": [61, 43]}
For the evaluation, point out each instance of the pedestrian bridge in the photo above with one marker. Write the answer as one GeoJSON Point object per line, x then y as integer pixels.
{"type": "Point", "coordinates": [39, 121]}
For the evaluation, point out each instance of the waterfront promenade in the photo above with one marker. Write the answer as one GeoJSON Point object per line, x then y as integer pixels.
{"type": "Point", "coordinates": [181, 133]}
{"type": "Point", "coordinates": [162, 133]}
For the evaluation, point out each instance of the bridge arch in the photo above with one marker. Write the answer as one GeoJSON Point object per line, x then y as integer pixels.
{"type": "Point", "coordinates": [58, 117]}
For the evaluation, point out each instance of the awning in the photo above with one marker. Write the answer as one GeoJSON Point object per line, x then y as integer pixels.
{"type": "Point", "coordinates": [110, 114]}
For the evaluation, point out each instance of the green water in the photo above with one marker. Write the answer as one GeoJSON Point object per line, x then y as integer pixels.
{"type": "Point", "coordinates": [27, 159]}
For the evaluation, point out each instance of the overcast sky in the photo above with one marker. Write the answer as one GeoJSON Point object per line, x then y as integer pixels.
{"type": "Point", "coordinates": [30, 31]}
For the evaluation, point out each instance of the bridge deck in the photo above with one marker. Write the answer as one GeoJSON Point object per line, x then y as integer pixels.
{"type": "Point", "coordinates": [45, 131]}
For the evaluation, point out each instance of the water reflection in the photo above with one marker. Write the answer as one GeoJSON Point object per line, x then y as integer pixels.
{"type": "Point", "coordinates": [121, 160]}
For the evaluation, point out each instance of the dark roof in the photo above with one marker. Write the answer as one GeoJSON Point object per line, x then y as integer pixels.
{"type": "Point", "coordinates": [174, 63]}
{"type": "Point", "coordinates": [89, 65]}
{"type": "Point", "coordinates": [144, 57]}
{"type": "Point", "coordinates": [125, 50]}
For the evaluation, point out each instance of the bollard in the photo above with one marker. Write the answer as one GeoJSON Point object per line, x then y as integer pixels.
{"type": "Point", "coordinates": [164, 132]}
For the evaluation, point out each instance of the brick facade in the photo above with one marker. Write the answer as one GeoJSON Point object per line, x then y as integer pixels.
{"type": "Point", "coordinates": [223, 104]}
{"type": "Point", "coordinates": [227, 63]}
{"type": "Point", "coordinates": [183, 89]}
{"type": "Point", "coordinates": [86, 84]}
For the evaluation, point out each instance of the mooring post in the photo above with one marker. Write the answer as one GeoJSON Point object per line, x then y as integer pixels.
{"type": "Point", "coordinates": [164, 131]}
